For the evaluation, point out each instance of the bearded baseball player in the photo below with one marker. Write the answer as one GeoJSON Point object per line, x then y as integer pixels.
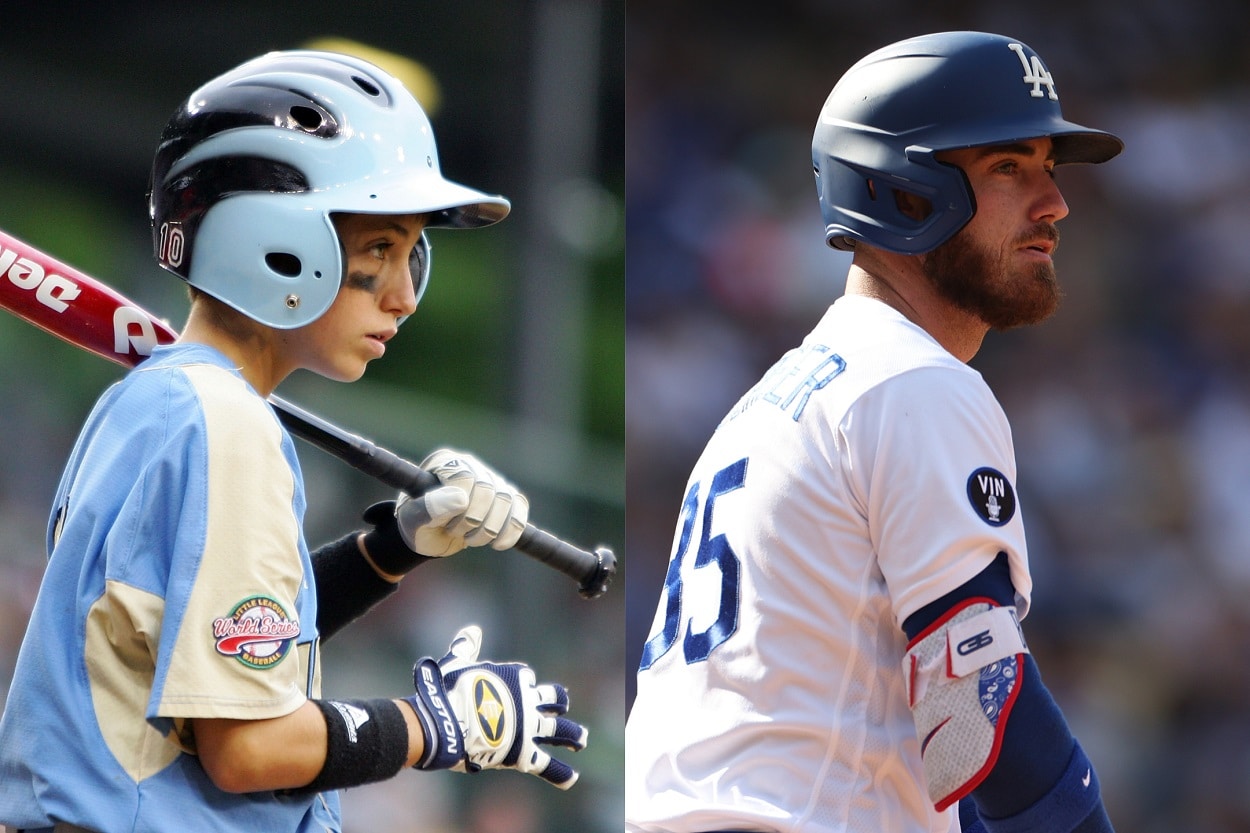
{"type": "Point", "coordinates": [169, 678]}
{"type": "Point", "coordinates": [837, 646]}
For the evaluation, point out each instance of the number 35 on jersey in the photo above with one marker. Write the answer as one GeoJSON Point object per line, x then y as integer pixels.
{"type": "Point", "coordinates": [701, 616]}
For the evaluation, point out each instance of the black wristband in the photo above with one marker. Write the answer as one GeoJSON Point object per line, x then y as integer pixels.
{"type": "Point", "coordinates": [385, 545]}
{"type": "Point", "coordinates": [367, 741]}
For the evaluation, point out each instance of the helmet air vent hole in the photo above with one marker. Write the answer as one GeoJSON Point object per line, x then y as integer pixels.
{"type": "Point", "coordinates": [872, 189]}
{"type": "Point", "coordinates": [367, 85]}
{"type": "Point", "coordinates": [306, 117]}
{"type": "Point", "coordinates": [284, 263]}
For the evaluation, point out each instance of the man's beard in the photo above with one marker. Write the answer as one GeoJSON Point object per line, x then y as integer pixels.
{"type": "Point", "coordinates": [973, 281]}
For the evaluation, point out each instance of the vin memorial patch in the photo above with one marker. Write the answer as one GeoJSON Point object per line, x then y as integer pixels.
{"type": "Point", "coordinates": [991, 496]}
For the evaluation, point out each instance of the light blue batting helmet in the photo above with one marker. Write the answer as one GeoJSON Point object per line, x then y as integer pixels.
{"type": "Point", "coordinates": [253, 164]}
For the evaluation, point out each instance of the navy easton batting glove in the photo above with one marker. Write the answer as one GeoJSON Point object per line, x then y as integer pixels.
{"type": "Point", "coordinates": [488, 715]}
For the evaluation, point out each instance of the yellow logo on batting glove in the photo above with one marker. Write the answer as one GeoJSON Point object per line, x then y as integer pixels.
{"type": "Point", "coordinates": [490, 711]}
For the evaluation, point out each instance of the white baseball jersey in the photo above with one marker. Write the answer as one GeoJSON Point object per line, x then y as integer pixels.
{"type": "Point", "coordinates": [867, 474]}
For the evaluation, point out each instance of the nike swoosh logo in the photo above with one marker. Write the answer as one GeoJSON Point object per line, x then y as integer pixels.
{"type": "Point", "coordinates": [924, 744]}
{"type": "Point", "coordinates": [1088, 776]}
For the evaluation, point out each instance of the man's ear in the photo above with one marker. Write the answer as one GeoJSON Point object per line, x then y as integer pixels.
{"type": "Point", "coordinates": [912, 205]}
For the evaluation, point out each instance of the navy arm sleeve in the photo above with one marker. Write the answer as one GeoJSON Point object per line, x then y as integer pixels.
{"type": "Point", "coordinates": [1042, 780]}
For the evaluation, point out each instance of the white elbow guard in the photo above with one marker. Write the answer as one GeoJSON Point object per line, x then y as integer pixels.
{"type": "Point", "coordinates": [962, 677]}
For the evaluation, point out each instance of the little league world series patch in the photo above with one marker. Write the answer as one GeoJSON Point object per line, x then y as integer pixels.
{"type": "Point", "coordinates": [258, 632]}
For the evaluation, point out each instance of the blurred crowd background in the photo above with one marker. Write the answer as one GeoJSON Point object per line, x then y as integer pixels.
{"type": "Point", "coordinates": [1130, 408]}
{"type": "Point", "coordinates": [517, 353]}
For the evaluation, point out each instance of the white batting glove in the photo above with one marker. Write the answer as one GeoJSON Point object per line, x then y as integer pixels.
{"type": "Point", "coordinates": [479, 715]}
{"type": "Point", "coordinates": [474, 507]}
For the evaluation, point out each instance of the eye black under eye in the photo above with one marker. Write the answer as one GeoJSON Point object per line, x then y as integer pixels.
{"type": "Point", "coordinates": [359, 280]}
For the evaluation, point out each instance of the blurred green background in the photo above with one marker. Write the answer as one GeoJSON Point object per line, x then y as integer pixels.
{"type": "Point", "coordinates": [516, 354]}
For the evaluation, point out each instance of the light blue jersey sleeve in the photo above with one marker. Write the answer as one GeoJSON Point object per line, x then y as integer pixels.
{"type": "Point", "coordinates": [178, 586]}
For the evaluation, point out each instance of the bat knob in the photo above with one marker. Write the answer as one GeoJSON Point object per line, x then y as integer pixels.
{"type": "Point", "coordinates": [596, 584]}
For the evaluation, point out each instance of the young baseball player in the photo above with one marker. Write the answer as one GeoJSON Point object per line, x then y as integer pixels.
{"type": "Point", "coordinates": [837, 645]}
{"type": "Point", "coordinates": [169, 678]}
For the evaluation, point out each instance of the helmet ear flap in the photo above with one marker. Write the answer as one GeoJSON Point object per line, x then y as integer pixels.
{"type": "Point", "coordinates": [244, 246]}
{"type": "Point", "coordinates": [861, 203]}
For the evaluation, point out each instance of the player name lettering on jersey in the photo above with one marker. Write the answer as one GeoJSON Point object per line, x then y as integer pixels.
{"type": "Point", "coordinates": [790, 383]}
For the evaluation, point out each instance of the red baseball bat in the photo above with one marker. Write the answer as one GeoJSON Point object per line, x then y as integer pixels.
{"type": "Point", "coordinates": [85, 312]}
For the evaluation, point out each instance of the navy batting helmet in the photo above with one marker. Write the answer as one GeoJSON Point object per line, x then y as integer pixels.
{"type": "Point", "coordinates": [896, 108]}
{"type": "Point", "coordinates": [251, 167]}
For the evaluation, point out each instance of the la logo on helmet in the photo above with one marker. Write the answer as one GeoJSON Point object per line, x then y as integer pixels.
{"type": "Point", "coordinates": [1035, 72]}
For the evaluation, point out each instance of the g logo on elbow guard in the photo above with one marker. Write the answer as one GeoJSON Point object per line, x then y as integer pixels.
{"type": "Point", "coordinates": [489, 708]}
{"type": "Point", "coordinates": [974, 643]}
